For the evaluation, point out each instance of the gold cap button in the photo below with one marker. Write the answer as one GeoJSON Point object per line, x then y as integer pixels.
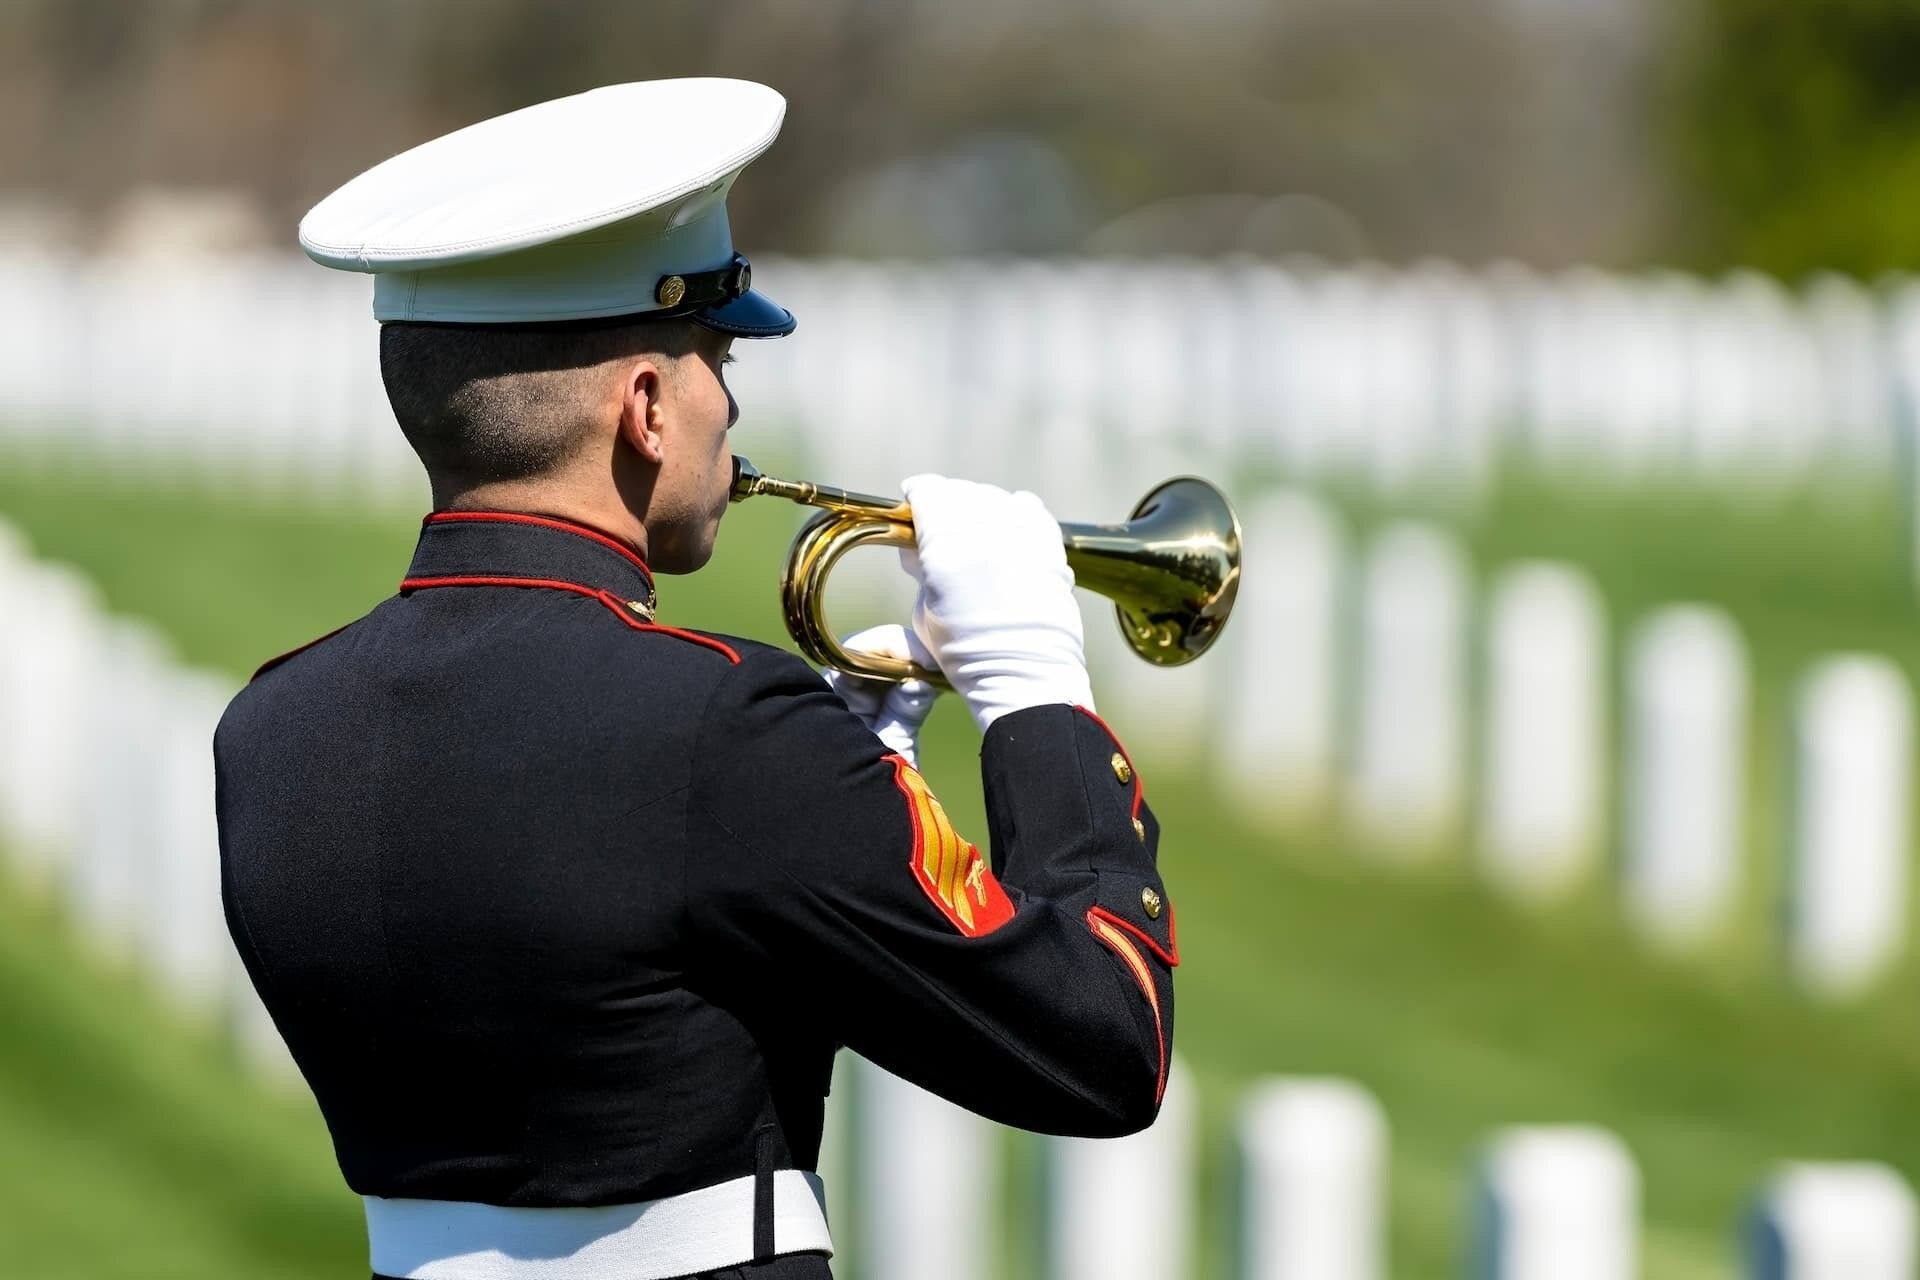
{"type": "Point", "coordinates": [1121, 769]}
{"type": "Point", "coordinates": [1150, 901]}
{"type": "Point", "coordinates": [1140, 828]}
{"type": "Point", "coordinates": [671, 290]}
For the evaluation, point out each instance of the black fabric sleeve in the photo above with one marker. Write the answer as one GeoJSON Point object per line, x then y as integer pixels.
{"type": "Point", "coordinates": [822, 875]}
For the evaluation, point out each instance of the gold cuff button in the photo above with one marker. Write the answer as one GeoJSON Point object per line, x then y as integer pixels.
{"type": "Point", "coordinates": [1121, 769]}
{"type": "Point", "coordinates": [1139, 828]}
{"type": "Point", "coordinates": [1150, 902]}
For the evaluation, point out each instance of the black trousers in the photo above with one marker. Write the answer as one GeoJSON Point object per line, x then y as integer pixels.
{"type": "Point", "coordinates": [790, 1266]}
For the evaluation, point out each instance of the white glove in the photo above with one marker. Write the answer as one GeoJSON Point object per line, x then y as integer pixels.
{"type": "Point", "coordinates": [894, 710]}
{"type": "Point", "coordinates": [996, 607]}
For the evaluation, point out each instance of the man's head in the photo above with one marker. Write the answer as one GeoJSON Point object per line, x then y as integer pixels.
{"type": "Point", "coordinates": [626, 421]}
{"type": "Point", "coordinates": [499, 251]}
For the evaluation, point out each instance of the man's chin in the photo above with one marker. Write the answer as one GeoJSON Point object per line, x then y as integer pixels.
{"type": "Point", "coordinates": [679, 558]}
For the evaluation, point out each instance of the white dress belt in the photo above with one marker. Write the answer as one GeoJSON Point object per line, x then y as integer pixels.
{"type": "Point", "coordinates": [650, 1240]}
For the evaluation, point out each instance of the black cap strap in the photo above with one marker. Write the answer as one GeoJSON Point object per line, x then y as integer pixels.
{"type": "Point", "coordinates": [698, 290]}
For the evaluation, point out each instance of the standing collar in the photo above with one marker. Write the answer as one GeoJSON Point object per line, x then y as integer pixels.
{"type": "Point", "coordinates": [457, 545]}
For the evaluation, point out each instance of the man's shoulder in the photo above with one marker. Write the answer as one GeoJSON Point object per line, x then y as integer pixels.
{"type": "Point", "coordinates": [691, 653]}
{"type": "Point", "coordinates": [608, 627]}
{"type": "Point", "coordinates": [613, 655]}
{"type": "Point", "coordinates": [741, 648]}
{"type": "Point", "coordinates": [751, 672]}
{"type": "Point", "coordinates": [307, 667]}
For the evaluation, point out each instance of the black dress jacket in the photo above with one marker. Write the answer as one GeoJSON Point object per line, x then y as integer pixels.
{"type": "Point", "coordinates": [556, 906]}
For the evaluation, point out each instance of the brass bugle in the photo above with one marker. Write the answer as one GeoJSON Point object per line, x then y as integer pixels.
{"type": "Point", "coordinates": [1171, 570]}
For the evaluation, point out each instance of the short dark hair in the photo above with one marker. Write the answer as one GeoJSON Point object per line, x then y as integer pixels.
{"type": "Point", "coordinates": [503, 402]}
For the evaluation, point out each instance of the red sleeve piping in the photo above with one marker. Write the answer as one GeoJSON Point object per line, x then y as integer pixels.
{"type": "Point", "coordinates": [1117, 942]}
{"type": "Point", "coordinates": [1139, 785]}
{"type": "Point", "coordinates": [1171, 957]}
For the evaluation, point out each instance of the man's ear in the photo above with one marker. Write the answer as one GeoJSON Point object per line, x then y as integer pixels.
{"type": "Point", "coordinates": [642, 408]}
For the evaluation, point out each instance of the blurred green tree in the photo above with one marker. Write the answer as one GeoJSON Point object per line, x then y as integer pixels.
{"type": "Point", "coordinates": [1797, 134]}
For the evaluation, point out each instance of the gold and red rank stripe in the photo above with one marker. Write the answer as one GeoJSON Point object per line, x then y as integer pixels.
{"type": "Point", "coordinates": [953, 872]}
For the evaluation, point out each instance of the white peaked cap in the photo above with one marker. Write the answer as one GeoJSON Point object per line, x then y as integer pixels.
{"type": "Point", "coordinates": [611, 202]}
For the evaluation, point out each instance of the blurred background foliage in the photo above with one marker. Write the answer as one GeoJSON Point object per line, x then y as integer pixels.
{"type": "Point", "coordinates": [1796, 129]}
{"type": "Point", "coordinates": [1765, 133]}
{"type": "Point", "coordinates": [1386, 129]}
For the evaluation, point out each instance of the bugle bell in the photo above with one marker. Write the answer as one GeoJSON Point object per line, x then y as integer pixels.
{"type": "Point", "coordinates": [1171, 570]}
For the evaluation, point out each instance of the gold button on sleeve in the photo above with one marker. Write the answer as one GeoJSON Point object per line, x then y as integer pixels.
{"type": "Point", "coordinates": [1121, 769]}
{"type": "Point", "coordinates": [1150, 902]}
{"type": "Point", "coordinates": [1140, 828]}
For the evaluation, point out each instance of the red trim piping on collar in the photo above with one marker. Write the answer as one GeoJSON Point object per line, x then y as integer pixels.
{"type": "Point", "coordinates": [544, 522]}
{"type": "Point", "coordinates": [607, 598]}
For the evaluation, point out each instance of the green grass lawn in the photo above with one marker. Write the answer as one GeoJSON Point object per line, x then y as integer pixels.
{"type": "Point", "coordinates": [1301, 955]}
{"type": "Point", "coordinates": [131, 1145]}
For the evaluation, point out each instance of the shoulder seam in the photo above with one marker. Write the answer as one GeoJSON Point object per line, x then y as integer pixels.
{"type": "Point", "coordinates": [295, 652]}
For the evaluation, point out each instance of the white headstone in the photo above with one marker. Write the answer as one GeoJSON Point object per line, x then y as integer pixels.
{"type": "Point", "coordinates": [1313, 1161]}
{"type": "Point", "coordinates": [1847, 879]}
{"type": "Point", "coordinates": [1685, 771]}
{"type": "Point", "coordinates": [926, 1178]}
{"type": "Point", "coordinates": [1281, 681]}
{"type": "Point", "coordinates": [189, 935]}
{"type": "Point", "coordinates": [1123, 1207]}
{"type": "Point", "coordinates": [114, 880]}
{"type": "Point", "coordinates": [1168, 713]}
{"type": "Point", "coordinates": [1557, 1203]}
{"type": "Point", "coordinates": [1404, 793]}
{"type": "Point", "coordinates": [1477, 380]}
{"type": "Point", "coordinates": [1545, 762]}
{"type": "Point", "coordinates": [258, 1041]}
{"type": "Point", "coordinates": [1337, 366]}
{"type": "Point", "coordinates": [1834, 1222]}
{"type": "Point", "coordinates": [836, 1161]}
{"type": "Point", "coordinates": [49, 656]}
{"type": "Point", "coordinates": [1850, 334]}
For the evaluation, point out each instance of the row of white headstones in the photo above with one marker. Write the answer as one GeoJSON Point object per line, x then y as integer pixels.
{"type": "Point", "coordinates": [1374, 684]}
{"type": "Point", "coordinates": [265, 367]}
{"type": "Point", "coordinates": [1550, 1202]}
{"type": "Point", "coordinates": [106, 790]}
{"type": "Point", "coordinates": [106, 798]}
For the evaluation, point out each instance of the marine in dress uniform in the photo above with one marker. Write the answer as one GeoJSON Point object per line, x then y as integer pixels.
{"type": "Point", "coordinates": [564, 912]}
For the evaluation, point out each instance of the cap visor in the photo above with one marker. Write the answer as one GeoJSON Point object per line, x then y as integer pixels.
{"type": "Point", "coordinates": [751, 315]}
